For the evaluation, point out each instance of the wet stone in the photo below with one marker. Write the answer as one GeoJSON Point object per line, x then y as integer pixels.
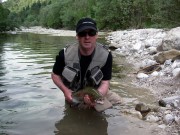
{"type": "Point", "coordinates": [173, 101]}
{"type": "Point", "coordinates": [143, 109]}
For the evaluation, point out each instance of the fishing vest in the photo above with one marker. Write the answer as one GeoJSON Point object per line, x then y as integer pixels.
{"type": "Point", "coordinates": [72, 70]}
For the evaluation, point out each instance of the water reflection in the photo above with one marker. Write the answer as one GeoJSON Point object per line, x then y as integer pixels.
{"type": "Point", "coordinates": [26, 88]}
{"type": "Point", "coordinates": [81, 122]}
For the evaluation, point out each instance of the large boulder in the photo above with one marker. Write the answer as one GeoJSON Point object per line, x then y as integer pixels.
{"type": "Point", "coordinates": [173, 101]}
{"type": "Point", "coordinates": [172, 40]}
{"type": "Point", "coordinates": [166, 55]}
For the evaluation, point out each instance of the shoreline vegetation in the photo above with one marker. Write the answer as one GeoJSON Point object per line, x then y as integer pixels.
{"type": "Point", "coordinates": [140, 47]}
{"type": "Point", "coordinates": [113, 15]}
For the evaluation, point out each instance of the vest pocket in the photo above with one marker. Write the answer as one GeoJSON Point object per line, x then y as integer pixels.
{"type": "Point", "coordinates": [96, 75]}
{"type": "Point", "coordinates": [69, 74]}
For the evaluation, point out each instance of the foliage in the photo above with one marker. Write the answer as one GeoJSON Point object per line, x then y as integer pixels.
{"type": "Point", "coordinates": [115, 16]}
{"type": "Point", "coordinates": [51, 19]}
{"type": "Point", "coordinates": [109, 14]}
{"type": "Point", "coordinates": [19, 5]}
{"type": "Point", "coordinates": [166, 13]}
{"type": "Point", "coordinates": [5, 23]}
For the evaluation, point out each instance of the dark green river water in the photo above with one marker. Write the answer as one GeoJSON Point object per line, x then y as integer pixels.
{"type": "Point", "coordinates": [30, 103]}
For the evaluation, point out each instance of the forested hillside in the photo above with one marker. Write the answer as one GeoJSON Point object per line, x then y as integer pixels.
{"type": "Point", "coordinates": [109, 14]}
{"type": "Point", "coordinates": [18, 5]}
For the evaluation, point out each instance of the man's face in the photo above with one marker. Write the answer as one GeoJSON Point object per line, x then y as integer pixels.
{"type": "Point", "coordinates": [87, 39]}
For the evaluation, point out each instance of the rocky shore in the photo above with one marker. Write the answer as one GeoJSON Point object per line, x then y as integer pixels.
{"type": "Point", "coordinates": [155, 54]}
{"type": "Point", "coordinates": [49, 31]}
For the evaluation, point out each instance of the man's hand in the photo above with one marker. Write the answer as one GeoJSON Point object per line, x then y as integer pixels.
{"type": "Point", "coordinates": [68, 95]}
{"type": "Point", "coordinates": [88, 101]}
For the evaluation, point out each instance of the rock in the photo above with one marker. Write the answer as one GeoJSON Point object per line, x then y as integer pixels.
{"type": "Point", "coordinates": [155, 73]}
{"type": "Point", "coordinates": [152, 118]}
{"type": "Point", "coordinates": [168, 62]}
{"type": "Point", "coordinates": [152, 50]}
{"type": "Point", "coordinates": [177, 78]}
{"type": "Point", "coordinates": [163, 56]}
{"type": "Point", "coordinates": [176, 64]}
{"type": "Point", "coordinates": [143, 109]}
{"type": "Point", "coordinates": [133, 113]}
{"type": "Point", "coordinates": [169, 100]}
{"type": "Point", "coordinates": [136, 114]}
{"type": "Point", "coordinates": [167, 112]}
{"type": "Point", "coordinates": [168, 119]}
{"type": "Point", "coordinates": [150, 69]}
{"type": "Point", "coordinates": [177, 120]}
{"type": "Point", "coordinates": [137, 46]}
{"type": "Point", "coordinates": [176, 103]}
{"type": "Point", "coordinates": [172, 40]}
{"type": "Point", "coordinates": [142, 75]}
{"type": "Point", "coordinates": [163, 126]}
{"type": "Point", "coordinates": [147, 62]}
{"type": "Point", "coordinates": [176, 72]}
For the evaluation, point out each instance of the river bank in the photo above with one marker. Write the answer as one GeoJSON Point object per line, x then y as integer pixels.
{"type": "Point", "coordinates": [48, 31]}
{"type": "Point", "coordinates": [155, 56]}
{"type": "Point", "coordinates": [129, 45]}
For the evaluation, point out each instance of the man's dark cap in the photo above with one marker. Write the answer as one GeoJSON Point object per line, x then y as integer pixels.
{"type": "Point", "coordinates": [84, 24]}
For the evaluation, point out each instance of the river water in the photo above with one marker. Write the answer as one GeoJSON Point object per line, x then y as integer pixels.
{"type": "Point", "coordinates": [31, 104]}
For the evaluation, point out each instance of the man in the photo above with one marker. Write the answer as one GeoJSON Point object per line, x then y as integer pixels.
{"type": "Point", "coordinates": [86, 63]}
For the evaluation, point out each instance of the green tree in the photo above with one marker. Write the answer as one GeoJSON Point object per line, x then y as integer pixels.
{"type": "Point", "coordinates": [140, 13]}
{"type": "Point", "coordinates": [3, 18]}
{"type": "Point", "coordinates": [73, 10]}
{"type": "Point", "coordinates": [113, 14]}
{"type": "Point", "coordinates": [50, 16]}
{"type": "Point", "coordinates": [167, 13]}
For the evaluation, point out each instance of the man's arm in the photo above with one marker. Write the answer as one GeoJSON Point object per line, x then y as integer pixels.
{"type": "Point", "coordinates": [107, 74]}
{"type": "Point", "coordinates": [104, 87]}
{"type": "Point", "coordinates": [58, 81]}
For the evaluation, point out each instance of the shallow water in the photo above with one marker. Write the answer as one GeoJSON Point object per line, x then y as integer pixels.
{"type": "Point", "coordinates": [30, 103]}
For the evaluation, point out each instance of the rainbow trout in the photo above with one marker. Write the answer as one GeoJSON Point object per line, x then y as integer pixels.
{"type": "Point", "coordinates": [79, 95]}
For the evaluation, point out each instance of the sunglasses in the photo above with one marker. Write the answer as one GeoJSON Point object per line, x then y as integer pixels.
{"type": "Point", "coordinates": [90, 33]}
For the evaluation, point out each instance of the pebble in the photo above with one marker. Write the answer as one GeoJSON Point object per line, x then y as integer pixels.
{"type": "Point", "coordinates": [155, 73]}
{"type": "Point", "coordinates": [176, 72]}
{"type": "Point", "coordinates": [142, 75]}
{"type": "Point", "coordinates": [162, 126]}
{"type": "Point", "coordinates": [168, 119]}
{"type": "Point", "coordinates": [177, 120]}
{"type": "Point", "coordinates": [152, 118]}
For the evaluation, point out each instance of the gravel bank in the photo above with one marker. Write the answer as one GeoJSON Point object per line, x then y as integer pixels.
{"type": "Point", "coordinates": [143, 48]}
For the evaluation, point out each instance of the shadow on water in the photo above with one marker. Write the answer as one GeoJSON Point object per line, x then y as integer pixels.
{"type": "Point", "coordinates": [81, 122]}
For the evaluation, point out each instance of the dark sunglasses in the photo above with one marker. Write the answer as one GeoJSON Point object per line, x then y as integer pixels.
{"type": "Point", "coordinates": [91, 33]}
